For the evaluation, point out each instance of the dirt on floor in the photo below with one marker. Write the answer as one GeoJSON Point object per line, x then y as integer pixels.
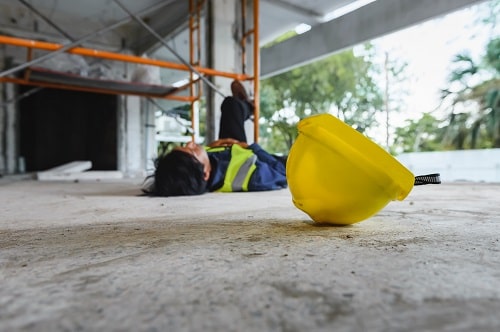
{"type": "Point", "coordinates": [95, 256]}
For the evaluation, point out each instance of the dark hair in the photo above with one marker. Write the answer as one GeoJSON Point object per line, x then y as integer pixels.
{"type": "Point", "coordinates": [177, 174]}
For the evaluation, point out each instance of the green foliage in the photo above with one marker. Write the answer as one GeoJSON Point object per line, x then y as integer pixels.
{"type": "Point", "coordinates": [492, 54]}
{"type": "Point", "coordinates": [473, 91]}
{"type": "Point", "coordinates": [493, 6]}
{"type": "Point", "coordinates": [340, 84]}
{"type": "Point", "coordinates": [418, 135]}
{"type": "Point", "coordinates": [343, 84]}
{"type": "Point", "coordinates": [465, 67]}
{"type": "Point", "coordinates": [478, 126]}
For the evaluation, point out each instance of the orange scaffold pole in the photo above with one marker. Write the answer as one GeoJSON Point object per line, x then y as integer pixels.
{"type": "Point", "coordinates": [113, 56]}
{"type": "Point", "coordinates": [256, 68]}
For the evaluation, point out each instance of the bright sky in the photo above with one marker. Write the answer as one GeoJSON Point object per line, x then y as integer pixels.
{"type": "Point", "coordinates": [429, 49]}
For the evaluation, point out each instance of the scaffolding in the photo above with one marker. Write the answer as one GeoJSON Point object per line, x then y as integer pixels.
{"type": "Point", "coordinates": [34, 76]}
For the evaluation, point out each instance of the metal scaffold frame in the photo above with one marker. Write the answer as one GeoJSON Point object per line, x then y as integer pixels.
{"type": "Point", "coordinates": [197, 73]}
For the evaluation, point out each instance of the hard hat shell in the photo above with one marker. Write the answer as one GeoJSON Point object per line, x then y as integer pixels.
{"type": "Point", "coordinates": [338, 176]}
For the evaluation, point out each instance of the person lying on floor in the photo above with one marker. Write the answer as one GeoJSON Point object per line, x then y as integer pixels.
{"type": "Point", "coordinates": [228, 164]}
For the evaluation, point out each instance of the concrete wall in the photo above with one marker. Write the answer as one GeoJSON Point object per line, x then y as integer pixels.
{"type": "Point", "coordinates": [465, 165]}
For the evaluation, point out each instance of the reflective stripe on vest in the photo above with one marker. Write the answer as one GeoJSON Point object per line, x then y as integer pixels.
{"type": "Point", "coordinates": [240, 169]}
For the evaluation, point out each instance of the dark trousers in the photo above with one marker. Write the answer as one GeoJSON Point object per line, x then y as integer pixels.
{"type": "Point", "coordinates": [234, 112]}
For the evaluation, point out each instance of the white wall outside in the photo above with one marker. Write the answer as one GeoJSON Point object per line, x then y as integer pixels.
{"type": "Point", "coordinates": [464, 165]}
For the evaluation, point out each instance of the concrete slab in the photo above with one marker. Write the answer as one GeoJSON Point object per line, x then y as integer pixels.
{"type": "Point", "coordinates": [75, 171]}
{"type": "Point", "coordinates": [79, 176]}
{"type": "Point", "coordinates": [95, 256]}
{"type": "Point", "coordinates": [71, 167]}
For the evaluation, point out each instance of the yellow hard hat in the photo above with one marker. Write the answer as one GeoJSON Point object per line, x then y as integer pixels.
{"type": "Point", "coordinates": [338, 176]}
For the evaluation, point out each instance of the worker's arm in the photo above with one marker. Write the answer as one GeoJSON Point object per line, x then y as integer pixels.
{"type": "Point", "coordinates": [266, 157]}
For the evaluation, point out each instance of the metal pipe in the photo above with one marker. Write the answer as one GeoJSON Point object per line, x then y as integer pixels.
{"type": "Point", "coordinates": [160, 39]}
{"type": "Point", "coordinates": [89, 89]}
{"type": "Point", "coordinates": [243, 42]}
{"type": "Point", "coordinates": [191, 60]}
{"type": "Point", "coordinates": [71, 45]}
{"type": "Point", "coordinates": [256, 68]}
{"type": "Point", "coordinates": [113, 56]}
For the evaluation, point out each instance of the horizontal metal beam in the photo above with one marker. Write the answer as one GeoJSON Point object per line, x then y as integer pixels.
{"type": "Point", "coordinates": [371, 21]}
{"type": "Point", "coordinates": [89, 52]}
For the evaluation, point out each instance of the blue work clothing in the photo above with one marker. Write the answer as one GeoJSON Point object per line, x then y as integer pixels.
{"type": "Point", "coordinates": [269, 173]}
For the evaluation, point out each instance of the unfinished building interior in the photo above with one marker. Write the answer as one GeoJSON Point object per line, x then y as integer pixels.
{"type": "Point", "coordinates": [87, 84]}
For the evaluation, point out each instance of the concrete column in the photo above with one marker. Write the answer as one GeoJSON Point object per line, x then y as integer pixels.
{"type": "Point", "coordinates": [136, 133]}
{"type": "Point", "coordinates": [11, 130]}
{"type": "Point", "coordinates": [130, 137]}
{"type": "Point", "coordinates": [224, 53]}
{"type": "Point", "coordinates": [149, 134]}
{"type": "Point", "coordinates": [249, 70]}
{"type": "Point", "coordinates": [2, 131]}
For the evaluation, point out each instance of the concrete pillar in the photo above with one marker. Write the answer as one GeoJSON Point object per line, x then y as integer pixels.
{"type": "Point", "coordinates": [136, 133]}
{"type": "Point", "coordinates": [11, 130]}
{"type": "Point", "coordinates": [224, 53]}
{"type": "Point", "coordinates": [249, 69]}
{"type": "Point", "coordinates": [150, 145]}
{"type": "Point", "coordinates": [130, 137]}
{"type": "Point", "coordinates": [2, 130]}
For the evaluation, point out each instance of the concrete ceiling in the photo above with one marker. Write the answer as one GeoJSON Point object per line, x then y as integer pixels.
{"type": "Point", "coordinates": [167, 17]}
{"type": "Point", "coordinates": [77, 18]}
{"type": "Point", "coordinates": [373, 20]}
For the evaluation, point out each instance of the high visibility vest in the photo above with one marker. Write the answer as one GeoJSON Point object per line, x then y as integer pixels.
{"type": "Point", "coordinates": [240, 169]}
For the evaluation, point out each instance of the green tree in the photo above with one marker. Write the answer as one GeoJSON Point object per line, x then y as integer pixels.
{"type": "Point", "coordinates": [340, 84]}
{"type": "Point", "coordinates": [423, 134]}
{"type": "Point", "coordinates": [493, 12]}
{"type": "Point", "coordinates": [477, 123]}
{"type": "Point", "coordinates": [277, 130]}
{"type": "Point", "coordinates": [474, 120]}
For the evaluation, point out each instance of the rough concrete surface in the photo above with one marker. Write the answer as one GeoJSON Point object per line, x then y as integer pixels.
{"type": "Point", "coordinates": [95, 256]}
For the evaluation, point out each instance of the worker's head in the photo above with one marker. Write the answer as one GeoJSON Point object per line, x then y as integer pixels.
{"type": "Point", "coordinates": [183, 171]}
{"type": "Point", "coordinates": [199, 153]}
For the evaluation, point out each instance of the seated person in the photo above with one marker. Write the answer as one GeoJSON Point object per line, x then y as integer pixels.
{"type": "Point", "coordinates": [228, 164]}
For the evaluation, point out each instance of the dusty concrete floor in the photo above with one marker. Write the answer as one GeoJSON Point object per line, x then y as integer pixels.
{"type": "Point", "coordinates": [96, 257]}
